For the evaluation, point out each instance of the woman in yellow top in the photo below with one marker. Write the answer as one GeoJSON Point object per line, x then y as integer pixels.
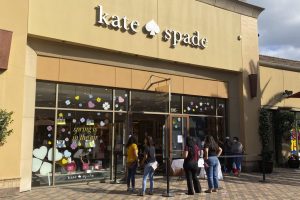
{"type": "Point", "coordinates": [132, 162]}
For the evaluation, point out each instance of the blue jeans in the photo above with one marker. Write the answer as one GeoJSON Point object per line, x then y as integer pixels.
{"type": "Point", "coordinates": [212, 172]}
{"type": "Point", "coordinates": [131, 176]}
{"type": "Point", "coordinates": [238, 161]}
{"type": "Point", "coordinates": [148, 171]}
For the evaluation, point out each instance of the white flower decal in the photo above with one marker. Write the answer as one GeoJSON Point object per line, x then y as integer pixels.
{"type": "Point", "coordinates": [106, 106]}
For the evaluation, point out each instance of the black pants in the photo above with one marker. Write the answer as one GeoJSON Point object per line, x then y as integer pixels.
{"type": "Point", "coordinates": [191, 169]}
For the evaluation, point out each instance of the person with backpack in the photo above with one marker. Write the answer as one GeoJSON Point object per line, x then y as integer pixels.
{"type": "Point", "coordinates": [190, 166]}
{"type": "Point", "coordinates": [211, 153]}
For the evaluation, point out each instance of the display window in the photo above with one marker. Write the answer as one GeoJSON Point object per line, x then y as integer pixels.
{"type": "Point", "coordinates": [83, 145]}
{"type": "Point", "coordinates": [149, 101]}
{"type": "Point", "coordinates": [84, 97]}
{"type": "Point", "coordinates": [44, 130]}
{"type": "Point", "coordinates": [199, 105]}
{"type": "Point", "coordinates": [176, 103]}
{"type": "Point", "coordinates": [45, 94]}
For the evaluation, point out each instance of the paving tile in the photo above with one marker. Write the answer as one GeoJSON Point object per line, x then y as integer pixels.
{"type": "Point", "coordinates": [282, 184]}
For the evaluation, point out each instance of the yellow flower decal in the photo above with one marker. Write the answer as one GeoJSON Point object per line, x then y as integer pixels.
{"type": "Point", "coordinates": [77, 97]}
{"type": "Point", "coordinates": [49, 142]}
{"type": "Point", "coordinates": [60, 115]}
{"type": "Point", "coordinates": [98, 99]}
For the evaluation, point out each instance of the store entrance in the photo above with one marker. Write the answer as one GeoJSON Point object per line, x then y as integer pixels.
{"type": "Point", "coordinates": [153, 125]}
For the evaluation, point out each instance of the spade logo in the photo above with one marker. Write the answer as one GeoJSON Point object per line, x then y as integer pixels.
{"type": "Point", "coordinates": [152, 28]}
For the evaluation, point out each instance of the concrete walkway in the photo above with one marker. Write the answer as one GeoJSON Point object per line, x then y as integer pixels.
{"type": "Point", "coordinates": [281, 184]}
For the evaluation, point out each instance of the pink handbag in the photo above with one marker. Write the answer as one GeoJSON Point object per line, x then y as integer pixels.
{"type": "Point", "coordinates": [85, 166]}
{"type": "Point", "coordinates": [71, 167]}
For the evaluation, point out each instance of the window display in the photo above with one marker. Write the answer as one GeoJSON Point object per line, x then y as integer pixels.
{"type": "Point", "coordinates": [199, 105]}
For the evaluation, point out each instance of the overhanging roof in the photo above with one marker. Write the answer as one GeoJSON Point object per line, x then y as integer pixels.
{"type": "Point", "coordinates": [236, 6]}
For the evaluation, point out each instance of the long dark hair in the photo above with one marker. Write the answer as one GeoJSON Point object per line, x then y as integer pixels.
{"type": "Point", "coordinates": [190, 141]}
{"type": "Point", "coordinates": [149, 141]}
{"type": "Point", "coordinates": [131, 140]}
{"type": "Point", "coordinates": [211, 143]}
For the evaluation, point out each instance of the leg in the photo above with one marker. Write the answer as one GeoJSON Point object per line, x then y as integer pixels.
{"type": "Point", "coordinates": [209, 174]}
{"type": "Point", "coordinates": [146, 174]}
{"type": "Point", "coordinates": [151, 174]}
{"type": "Point", "coordinates": [188, 175]}
{"type": "Point", "coordinates": [133, 177]}
{"type": "Point", "coordinates": [129, 177]}
{"type": "Point", "coordinates": [215, 173]}
{"type": "Point", "coordinates": [196, 182]}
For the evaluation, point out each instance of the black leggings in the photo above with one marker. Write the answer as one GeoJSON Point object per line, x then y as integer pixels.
{"type": "Point", "coordinates": [191, 169]}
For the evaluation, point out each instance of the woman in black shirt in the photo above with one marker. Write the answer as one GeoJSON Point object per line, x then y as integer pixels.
{"type": "Point", "coordinates": [211, 153]}
{"type": "Point", "coordinates": [190, 165]}
{"type": "Point", "coordinates": [150, 165]}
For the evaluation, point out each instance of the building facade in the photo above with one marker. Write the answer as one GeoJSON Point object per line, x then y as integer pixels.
{"type": "Point", "coordinates": [87, 75]}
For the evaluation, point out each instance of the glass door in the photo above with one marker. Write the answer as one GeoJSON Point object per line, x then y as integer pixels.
{"type": "Point", "coordinates": [178, 129]}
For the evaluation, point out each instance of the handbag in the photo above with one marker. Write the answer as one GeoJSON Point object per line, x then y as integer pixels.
{"type": "Point", "coordinates": [85, 166]}
{"type": "Point", "coordinates": [70, 167]}
{"type": "Point", "coordinates": [154, 165]}
{"type": "Point", "coordinates": [89, 143]}
{"type": "Point", "coordinates": [60, 144]}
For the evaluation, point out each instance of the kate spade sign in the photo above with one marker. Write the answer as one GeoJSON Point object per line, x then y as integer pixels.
{"type": "Point", "coordinates": [175, 37]}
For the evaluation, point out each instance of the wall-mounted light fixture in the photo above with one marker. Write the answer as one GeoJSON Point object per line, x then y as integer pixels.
{"type": "Point", "coordinates": [5, 42]}
{"type": "Point", "coordinates": [253, 85]}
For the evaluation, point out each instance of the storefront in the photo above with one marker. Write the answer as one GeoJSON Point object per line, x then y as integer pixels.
{"type": "Point", "coordinates": [97, 72]}
{"type": "Point", "coordinates": [281, 79]}
{"type": "Point", "coordinates": [96, 122]}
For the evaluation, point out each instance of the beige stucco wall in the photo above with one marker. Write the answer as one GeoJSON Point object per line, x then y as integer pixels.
{"type": "Point", "coordinates": [274, 82]}
{"type": "Point", "coordinates": [28, 119]}
{"type": "Point", "coordinates": [57, 20]}
{"type": "Point", "coordinates": [14, 15]}
{"type": "Point", "coordinates": [250, 106]}
{"type": "Point", "coordinates": [64, 70]}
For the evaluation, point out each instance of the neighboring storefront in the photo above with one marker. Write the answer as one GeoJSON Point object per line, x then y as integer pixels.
{"type": "Point", "coordinates": [89, 74]}
{"type": "Point", "coordinates": [280, 80]}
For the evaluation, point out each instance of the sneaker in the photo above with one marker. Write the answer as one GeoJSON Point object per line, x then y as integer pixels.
{"type": "Point", "coordinates": [128, 189]}
{"type": "Point", "coordinates": [215, 190]}
{"type": "Point", "coordinates": [141, 194]}
{"type": "Point", "coordinates": [133, 190]}
{"type": "Point", "coordinates": [150, 193]}
{"type": "Point", "coordinates": [208, 191]}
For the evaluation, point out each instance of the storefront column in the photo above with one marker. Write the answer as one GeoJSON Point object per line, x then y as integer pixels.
{"type": "Point", "coordinates": [250, 103]}
{"type": "Point", "coordinates": [28, 119]}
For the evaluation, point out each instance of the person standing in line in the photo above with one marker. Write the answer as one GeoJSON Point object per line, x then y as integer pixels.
{"type": "Point", "coordinates": [211, 153]}
{"type": "Point", "coordinates": [132, 162]}
{"type": "Point", "coordinates": [227, 153]}
{"type": "Point", "coordinates": [237, 151]}
{"type": "Point", "coordinates": [150, 163]}
{"type": "Point", "coordinates": [190, 166]}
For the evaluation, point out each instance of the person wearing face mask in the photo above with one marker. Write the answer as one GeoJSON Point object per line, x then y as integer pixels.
{"type": "Point", "coordinates": [237, 150]}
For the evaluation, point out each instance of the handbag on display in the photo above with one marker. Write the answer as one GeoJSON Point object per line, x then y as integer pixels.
{"type": "Point", "coordinates": [85, 166]}
{"type": "Point", "coordinates": [71, 167]}
{"type": "Point", "coordinates": [89, 144]}
{"type": "Point", "coordinates": [60, 143]}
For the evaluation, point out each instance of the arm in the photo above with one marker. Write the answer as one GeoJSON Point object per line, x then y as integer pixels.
{"type": "Point", "coordinates": [185, 154]}
{"type": "Point", "coordinates": [219, 151]}
{"type": "Point", "coordinates": [145, 158]}
{"type": "Point", "coordinates": [205, 153]}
